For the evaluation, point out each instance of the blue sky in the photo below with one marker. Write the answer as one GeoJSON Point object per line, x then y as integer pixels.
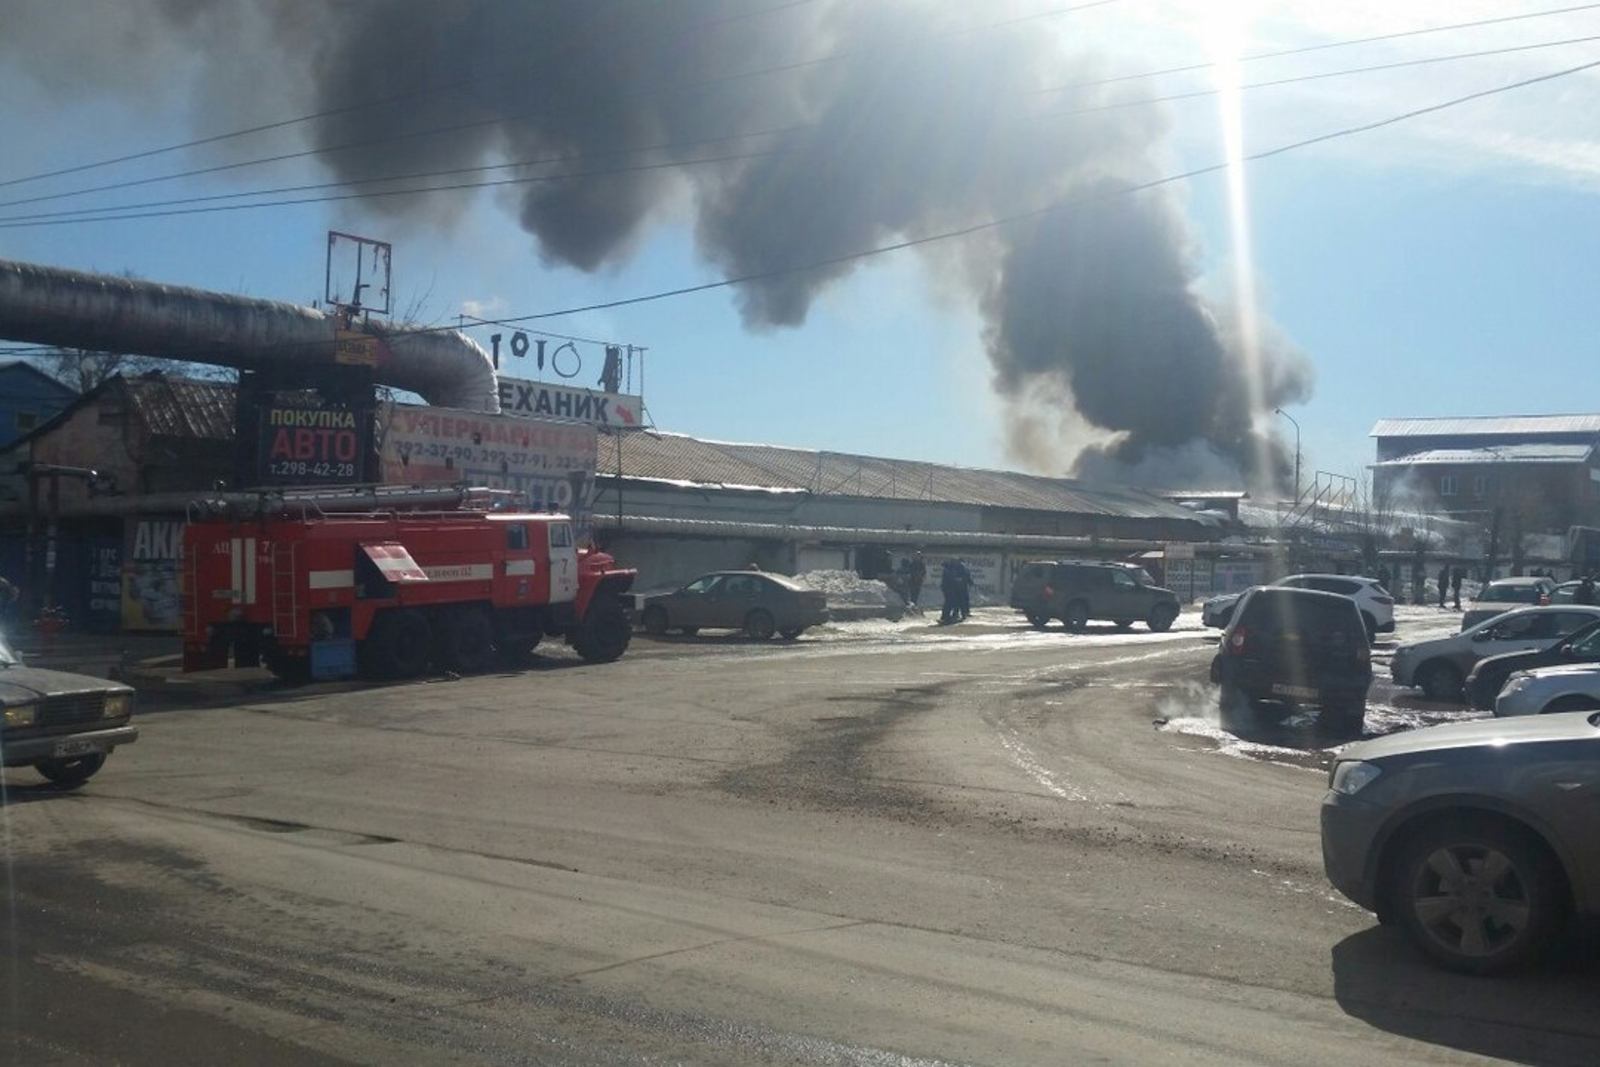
{"type": "Point", "coordinates": [1441, 266]}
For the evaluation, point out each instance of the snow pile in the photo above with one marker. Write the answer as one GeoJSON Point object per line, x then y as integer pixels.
{"type": "Point", "coordinates": [846, 587]}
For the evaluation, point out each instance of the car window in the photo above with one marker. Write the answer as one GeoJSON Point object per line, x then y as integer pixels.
{"type": "Point", "coordinates": [741, 585]}
{"type": "Point", "coordinates": [1510, 594]}
{"type": "Point", "coordinates": [1267, 612]}
{"type": "Point", "coordinates": [1588, 644]}
{"type": "Point", "coordinates": [1568, 621]}
{"type": "Point", "coordinates": [517, 536]}
{"type": "Point", "coordinates": [560, 535]}
{"type": "Point", "coordinates": [1529, 626]}
{"type": "Point", "coordinates": [703, 585]}
{"type": "Point", "coordinates": [1123, 579]}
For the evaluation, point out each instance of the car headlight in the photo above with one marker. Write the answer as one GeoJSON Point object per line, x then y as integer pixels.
{"type": "Point", "coordinates": [117, 705]}
{"type": "Point", "coordinates": [1517, 681]}
{"type": "Point", "coordinates": [1351, 776]}
{"type": "Point", "coordinates": [25, 714]}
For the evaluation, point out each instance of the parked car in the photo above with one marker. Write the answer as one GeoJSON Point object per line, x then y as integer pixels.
{"type": "Point", "coordinates": [1505, 594]}
{"type": "Point", "coordinates": [1286, 648]}
{"type": "Point", "coordinates": [1489, 675]}
{"type": "Point", "coordinates": [63, 725]}
{"type": "Point", "coordinates": [1076, 591]}
{"type": "Point", "coordinates": [1377, 606]}
{"type": "Point", "coordinates": [758, 603]}
{"type": "Point", "coordinates": [1440, 667]}
{"type": "Point", "coordinates": [1478, 838]}
{"type": "Point", "coordinates": [1550, 690]}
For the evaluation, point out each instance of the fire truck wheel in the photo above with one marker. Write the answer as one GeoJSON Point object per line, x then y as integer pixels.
{"type": "Point", "coordinates": [399, 646]}
{"type": "Point", "coordinates": [468, 641]}
{"type": "Point", "coordinates": [604, 634]}
{"type": "Point", "coordinates": [293, 670]}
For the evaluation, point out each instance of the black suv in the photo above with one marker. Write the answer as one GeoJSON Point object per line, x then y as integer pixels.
{"type": "Point", "coordinates": [1075, 592]}
{"type": "Point", "coordinates": [1286, 648]}
{"type": "Point", "coordinates": [1489, 675]}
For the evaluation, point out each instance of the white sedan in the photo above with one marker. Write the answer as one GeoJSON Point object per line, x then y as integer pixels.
{"type": "Point", "coordinates": [1548, 690]}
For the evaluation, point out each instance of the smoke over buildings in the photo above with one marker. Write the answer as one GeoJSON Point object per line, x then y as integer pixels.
{"type": "Point", "coordinates": [797, 133]}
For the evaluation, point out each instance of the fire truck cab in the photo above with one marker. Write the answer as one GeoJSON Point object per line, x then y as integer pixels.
{"type": "Point", "coordinates": [392, 594]}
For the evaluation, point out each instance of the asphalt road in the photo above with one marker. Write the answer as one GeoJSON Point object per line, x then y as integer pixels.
{"type": "Point", "coordinates": [888, 845]}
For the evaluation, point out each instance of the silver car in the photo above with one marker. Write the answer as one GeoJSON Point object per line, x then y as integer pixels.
{"type": "Point", "coordinates": [1547, 690]}
{"type": "Point", "coordinates": [62, 725]}
{"type": "Point", "coordinates": [1439, 667]}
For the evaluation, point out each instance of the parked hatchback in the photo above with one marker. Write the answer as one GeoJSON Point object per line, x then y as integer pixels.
{"type": "Point", "coordinates": [1505, 594]}
{"type": "Point", "coordinates": [1439, 667]}
{"type": "Point", "coordinates": [1550, 691]}
{"type": "Point", "coordinates": [760, 604]}
{"type": "Point", "coordinates": [1288, 648]}
{"type": "Point", "coordinates": [1478, 838]}
{"type": "Point", "coordinates": [1077, 591]}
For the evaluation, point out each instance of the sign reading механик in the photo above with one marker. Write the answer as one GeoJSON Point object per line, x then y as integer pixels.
{"type": "Point", "coordinates": [543, 400]}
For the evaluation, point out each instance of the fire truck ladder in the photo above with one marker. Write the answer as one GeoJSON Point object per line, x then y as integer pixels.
{"type": "Point", "coordinates": [285, 596]}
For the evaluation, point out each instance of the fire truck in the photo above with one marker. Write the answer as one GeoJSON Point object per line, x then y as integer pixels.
{"type": "Point", "coordinates": [391, 592]}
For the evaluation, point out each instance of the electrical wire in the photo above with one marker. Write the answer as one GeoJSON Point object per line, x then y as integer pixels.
{"type": "Point", "coordinates": [432, 131]}
{"type": "Point", "coordinates": [147, 209]}
{"type": "Point", "coordinates": [346, 109]}
{"type": "Point", "coordinates": [1326, 45]}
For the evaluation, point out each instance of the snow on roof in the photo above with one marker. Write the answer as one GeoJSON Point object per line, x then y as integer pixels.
{"type": "Point", "coordinates": [1496, 425]}
{"type": "Point", "coordinates": [1525, 453]}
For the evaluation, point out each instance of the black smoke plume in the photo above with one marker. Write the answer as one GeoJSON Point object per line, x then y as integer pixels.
{"type": "Point", "coordinates": [867, 122]}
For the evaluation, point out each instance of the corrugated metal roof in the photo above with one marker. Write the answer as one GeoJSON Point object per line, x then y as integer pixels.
{"type": "Point", "coordinates": [1498, 425]}
{"type": "Point", "coordinates": [1529, 453]}
{"type": "Point", "coordinates": [183, 407]}
{"type": "Point", "coordinates": [676, 457]}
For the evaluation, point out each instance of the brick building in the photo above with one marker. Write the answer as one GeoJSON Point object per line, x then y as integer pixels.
{"type": "Point", "coordinates": [1537, 473]}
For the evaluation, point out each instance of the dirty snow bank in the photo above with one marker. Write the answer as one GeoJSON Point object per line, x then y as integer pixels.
{"type": "Point", "coordinates": [846, 587]}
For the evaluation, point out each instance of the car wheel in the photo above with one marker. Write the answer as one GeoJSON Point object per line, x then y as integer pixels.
{"type": "Point", "coordinates": [1372, 627]}
{"type": "Point", "coordinates": [1569, 703]}
{"type": "Point", "coordinates": [688, 631]}
{"type": "Point", "coordinates": [1161, 617]}
{"type": "Point", "coordinates": [71, 773]}
{"type": "Point", "coordinates": [758, 625]}
{"type": "Point", "coordinates": [1077, 616]}
{"type": "Point", "coordinates": [1038, 619]}
{"type": "Point", "coordinates": [1477, 898]}
{"type": "Point", "coordinates": [655, 620]}
{"type": "Point", "coordinates": [789, 633]}
{"type": "Point", "coordinates": [1440, 681]}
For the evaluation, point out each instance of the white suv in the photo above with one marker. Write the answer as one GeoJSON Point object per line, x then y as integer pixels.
{"type": "Point", "coordinates": [1377, 606]}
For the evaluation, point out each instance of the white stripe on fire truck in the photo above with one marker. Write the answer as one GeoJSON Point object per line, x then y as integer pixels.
{"type": "Point", "coordinates": [234, 554]}
{"type": "Point", "coordinates": [249, 570]}
{"type": "Point", "coordinates": [332, 579]}
{"type": "Point", "coordinates": [519, 566]}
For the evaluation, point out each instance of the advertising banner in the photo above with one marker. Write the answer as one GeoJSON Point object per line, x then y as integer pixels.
{"type": "Point", "coordinates": [545, 400]}
{"type": "Point", "coordinates": [303, 445]}
{"type": "Point", "coordinates": [537, 459]}
{"type": "Point", "coordinates": [150, 574]}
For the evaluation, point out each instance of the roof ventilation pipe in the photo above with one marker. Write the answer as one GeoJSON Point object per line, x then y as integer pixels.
{"type": "Point", "coordinates": [106, 313]}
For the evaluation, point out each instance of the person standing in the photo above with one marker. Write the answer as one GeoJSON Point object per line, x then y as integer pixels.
{"type": "Point", "coordinates": [1383, 575]}
{"type": "Point", "coordinates": [1584, 594]}
{"type": "Point", "coordinates": [947, 589]}
{"type": "Point", "coordinates": [963, 589]}
{"type": "Point", "coordinates": [917, 575]}
{"type": "Point", "coordinates": [1444, 583]}
{"type": "Point", "coordinates": [1456, 575]}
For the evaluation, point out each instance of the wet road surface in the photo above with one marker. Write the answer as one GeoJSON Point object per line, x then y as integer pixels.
{"type": "Point", "coordinates": [886, 843]}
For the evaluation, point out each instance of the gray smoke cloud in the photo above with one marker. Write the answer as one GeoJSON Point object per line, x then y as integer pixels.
{"type": "Point", "coordinates": [899, 119]}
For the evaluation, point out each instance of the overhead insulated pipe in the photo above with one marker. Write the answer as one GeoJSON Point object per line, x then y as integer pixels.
{"type": "Point", "coordinates": [106, 313]}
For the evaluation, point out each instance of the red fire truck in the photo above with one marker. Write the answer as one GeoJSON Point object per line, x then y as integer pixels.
{"type": "Point", "coordinates": [388, 594]}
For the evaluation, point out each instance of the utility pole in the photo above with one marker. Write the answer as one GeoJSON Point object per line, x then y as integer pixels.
{"type": "Point", "coordinates": [1291, 418]}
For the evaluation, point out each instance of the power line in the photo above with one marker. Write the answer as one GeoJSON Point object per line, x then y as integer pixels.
{"type": "Point", "coordinates": [1274, 83]}
{"type": "Point", "coordinates": [519, 116]}
{"type": "Point", "coordinates": [145, 210]}
{"type": "Point", "coordinates": [1326, 45]}
{"type": "Point", "coordinates": [1058, 205]}
{"type": "Point", "coordinates": [330, 112]}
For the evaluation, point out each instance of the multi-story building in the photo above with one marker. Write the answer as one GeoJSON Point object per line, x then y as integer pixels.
{"type": "Point", "coordinates": [1534, 473]}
